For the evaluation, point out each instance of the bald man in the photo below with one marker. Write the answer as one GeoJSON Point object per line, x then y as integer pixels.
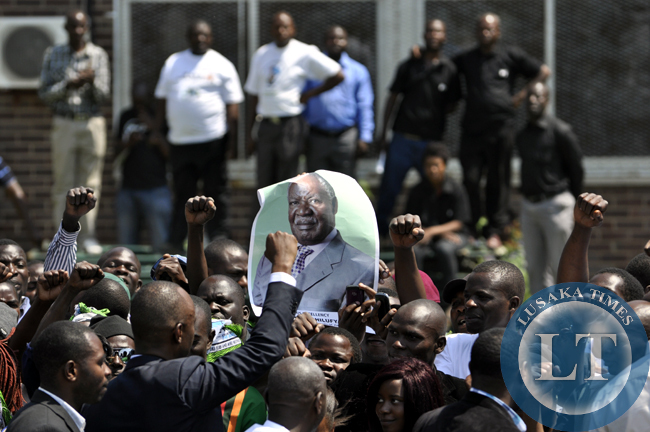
{"type": "Point", "coordinates": [199, 94]}
{"type": "Point", "coordinates": [275, 84]}
{"type": "Point", "coordinates": [75, 81]}
{"type": "Point", "coordinates": [226, 300]}
{"type": "Point", "coordinates": [490, 71]}
{"type": "Point", "coordinates": [162, 389]}
{"type": "Point", "coordinates": [296, 396]}
{"type": "Point", "coordinates": [551, 179]}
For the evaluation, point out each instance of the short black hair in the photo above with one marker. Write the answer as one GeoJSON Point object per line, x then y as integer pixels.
{"type": "Point", "coordinates": [325, 185]}
{"type": "Point", "coordinates": [632, 288]}
{"type": "Point", "coordinates": [202, 305]}
{"type": "Point", "coordinates": [486, 354]}
{"type": "Point", "coordinates": [436, 149]}
{"type": "Point", "coordinates": [8, 242]}
{"type": "Point", "coordinates": [57, 344]}
{"type": "Point", "coordinates": [215, 251]}
{"type": "Point", "coordinates": [639, 267]}
{"type": "Point", "coordinates": [338, 331]}
{"type": "Point", "coordinates": [108, 294]}
{"type": "Point", "coordinates": [154, 310]}
{"type": "Point", "coordinates": [511, 280]}
{"type": "Point", "coordinates": [390, 292]}
{"type": "Point", "coordinates": [191, 26]}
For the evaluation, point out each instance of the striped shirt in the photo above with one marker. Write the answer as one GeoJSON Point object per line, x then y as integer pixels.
{"type": "Point", "coordinates": [6, 175]}
{"type": "Point", "coordinates": [62, 253]}
{"type": "Point", "coordinates": [61, 65]}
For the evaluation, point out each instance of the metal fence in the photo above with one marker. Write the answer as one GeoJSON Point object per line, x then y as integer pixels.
{"type": "Point", "coordinates": [602, 49]}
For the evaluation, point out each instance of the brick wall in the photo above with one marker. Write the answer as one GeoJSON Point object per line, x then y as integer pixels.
{"type": "Point", "coordinates": [25, 127]}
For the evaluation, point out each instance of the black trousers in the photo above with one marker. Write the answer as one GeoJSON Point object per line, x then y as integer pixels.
{"type": "Point", "coordinates": [279, 147]}
{"type": "Point", "coordinates": [191, 163]}
{"type": "Point", "coordinates": [488, 153]}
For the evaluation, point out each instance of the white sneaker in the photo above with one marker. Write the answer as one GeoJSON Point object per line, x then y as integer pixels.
{"type": "Point", "coordinates": [92, 247]}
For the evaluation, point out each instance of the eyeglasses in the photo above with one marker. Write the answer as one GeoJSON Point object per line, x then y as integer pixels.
{"type": "Point", "coordinates": [123, 353]}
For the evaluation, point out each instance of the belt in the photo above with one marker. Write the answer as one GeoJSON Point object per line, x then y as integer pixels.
{"type": "Point", "coordinates": [331, 134]}
{"type": "Point", "coordinates": [541, 197]}
{"type": "Point", "coordinates": [77, 116]}
{"type": "Point", "coordinates": [275, 120]}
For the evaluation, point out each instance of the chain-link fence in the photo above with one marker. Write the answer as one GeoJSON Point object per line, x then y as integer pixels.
{"type": "Point", "coordinates": [603, 74]}
{"type": "Point", "coordinates": [522, 24]}
{"type": "Point", "coordinates": [602, 50]}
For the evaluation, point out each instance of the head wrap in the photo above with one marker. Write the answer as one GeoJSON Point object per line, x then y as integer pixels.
{"type": "Point", "coordinates": [119, 281]}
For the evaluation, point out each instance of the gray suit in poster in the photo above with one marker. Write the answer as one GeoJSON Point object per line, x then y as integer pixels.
{"type": "Point", "coordinates": [312, 209]}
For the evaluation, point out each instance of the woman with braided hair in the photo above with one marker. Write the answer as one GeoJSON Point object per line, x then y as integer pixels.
{"type": "Point", "coordinates": [11, 396]}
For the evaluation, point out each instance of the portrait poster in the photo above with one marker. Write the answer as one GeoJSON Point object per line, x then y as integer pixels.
{"type": "Point", "coordinates": [335, 220]}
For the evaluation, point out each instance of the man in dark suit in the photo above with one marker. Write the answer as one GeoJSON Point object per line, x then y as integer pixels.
{"type": "Point", "coordinates": [161, 388]}
{"type": "Point", "coordinates": [486, 407]}
{"type": "Point", "coordinates": [325, 263]}
{"type": "Point", "coordinates": [72, 364]}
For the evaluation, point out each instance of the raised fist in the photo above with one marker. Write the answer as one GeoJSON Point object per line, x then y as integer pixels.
{"type": "Point", "coordinates": [199, 210]}
{"type": "Point", "coordinates": [85, 275]}
{"type": "Point", "coordinates": [50, 284]}
{"type": "Point", "coordinates": [406, 231]}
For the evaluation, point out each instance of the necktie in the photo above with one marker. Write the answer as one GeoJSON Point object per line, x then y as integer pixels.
{"type": "Point", "coordinates": [299, 263]}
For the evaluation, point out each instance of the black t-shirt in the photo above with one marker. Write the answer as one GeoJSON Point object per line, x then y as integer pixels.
{"type": "Point", "coordinates": [428, 90]}
{"type": "Point", "coordinates": [490, 83]}
{"type": "Point", "coordinates": [433, 209]}
{"type": "Point", "coordinates": [145, 166]}
{"type": "Point", "coordinates": [551, 159]}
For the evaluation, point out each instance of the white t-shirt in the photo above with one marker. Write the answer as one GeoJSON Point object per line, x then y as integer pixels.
{"type": "Point", "coordinates": [454, 359]}
{"type": "Point", "coordinates": [197, 89]}
{"type": "Point", "coordinates": [278, 75]}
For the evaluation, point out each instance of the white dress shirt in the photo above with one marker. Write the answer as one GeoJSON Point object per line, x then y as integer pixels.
{"type": "Point", "coordinates": [76, 417]}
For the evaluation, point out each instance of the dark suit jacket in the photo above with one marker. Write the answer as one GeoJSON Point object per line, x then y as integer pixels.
{"type": "Point", "coordinates": [42, 414]}
{"type": "Point", "coordinates": [324, 280]}
{"type": "Point", "coordinates": [185, 394]}
{"type": "Point", "coordinates": [473, 413]}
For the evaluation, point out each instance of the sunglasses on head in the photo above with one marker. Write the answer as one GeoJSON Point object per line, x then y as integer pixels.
{"type": "Point", "coordinates": [123, 353]}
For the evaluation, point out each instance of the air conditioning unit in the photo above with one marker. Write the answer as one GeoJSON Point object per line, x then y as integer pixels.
{"type": "Point", "coordinates": [23, 41]}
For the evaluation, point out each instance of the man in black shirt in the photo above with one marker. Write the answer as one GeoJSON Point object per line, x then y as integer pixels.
{"type": "Point", "coordinates": [443, 208]}
{"type": "Point", "coordinates": [429, 88]}
{"type": "Point", "coordinates": [490, 71]}
{"type": "Point", "coordinates": [551, 178]}
{"type": "Point", "coordinates": [144, 194]}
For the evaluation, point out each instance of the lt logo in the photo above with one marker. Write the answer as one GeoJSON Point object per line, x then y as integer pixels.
{"type": "Point", "coordinates": [575, 357]}
{"type": "Point", "coordinates": [596, 353]}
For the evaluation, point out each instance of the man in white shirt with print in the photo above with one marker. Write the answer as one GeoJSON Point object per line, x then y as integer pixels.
{"type": "Point", "coordinates": [275, 84]}
{"type": "Point", "coordinates": [199, 92]}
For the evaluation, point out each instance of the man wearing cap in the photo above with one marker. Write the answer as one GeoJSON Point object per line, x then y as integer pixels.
{"type": "Point", "coordinates": [453, 295]}
{"type": "Point", "coordinates": [119, 335]}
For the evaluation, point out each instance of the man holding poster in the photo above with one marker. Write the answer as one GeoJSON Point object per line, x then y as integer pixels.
{"type": "Point", "coordinates": [325, 263]}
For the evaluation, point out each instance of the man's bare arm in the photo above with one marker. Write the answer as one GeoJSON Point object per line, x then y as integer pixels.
{"type": "Point", "coordinates": [405, 232]}
{"type": "Point", "coordinates": [587, 214]}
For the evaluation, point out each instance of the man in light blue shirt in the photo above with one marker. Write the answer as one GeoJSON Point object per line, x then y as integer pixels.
{"type": "Point", "coordinates": [341, 120]}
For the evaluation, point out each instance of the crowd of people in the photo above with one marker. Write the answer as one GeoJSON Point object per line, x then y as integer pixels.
{"type": "Point", "coordinates": [89, 347]}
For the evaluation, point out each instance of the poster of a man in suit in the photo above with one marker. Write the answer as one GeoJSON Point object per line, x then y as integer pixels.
{"type": "Point", "coordinates": [332, 219]}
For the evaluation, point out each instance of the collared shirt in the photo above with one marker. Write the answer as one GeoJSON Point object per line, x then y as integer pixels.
{"type": "Point", "coordinates": [62, 253]}
{"type": "Point", "coordinates": [490, 82]}
{"type": "Point", "coordinates": [346, 105]}
{"type": "Point", "coordinates": [76, 417]}
{"type": "Point", "coordinates": [61, 65]}
{"type": "Point", "coordinates": [428, 90]}
{"type": "Point", "coordinates": [515, 418]}
{"type": "Point", "coordinates": [551, 159]}
{"type": "Point", "coordinates": [267, 427]}
{"type": "Point", "coordinates": [264, 266]}
{"type": "Point", "coordinates": [433, 209]}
